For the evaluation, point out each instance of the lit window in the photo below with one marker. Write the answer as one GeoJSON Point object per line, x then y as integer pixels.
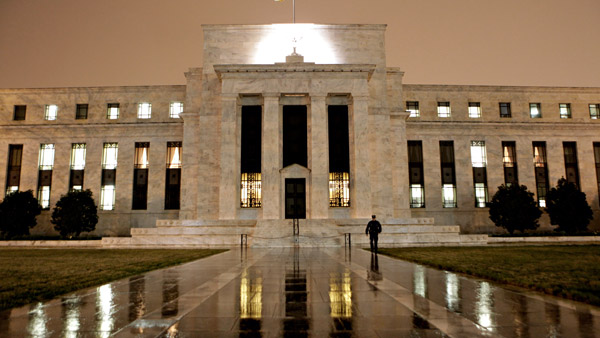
{"type": "Point", "coordinates": [109, 156]}
{"type": "Point", "coordinates": [13, 172]}
{"type": "Point", "coordinates": [478, 155]}
{"type": "Point", "coordinates": [417, 196]}
{"type": "Point", "coordinates": [595, 111]}
{"type": "Point", "coordinates": [449, 196]}
{"type": "Point", "coordinates": [535, 110]}
{"type": "Point", "coordinates": [107, 197]}
{"type": "Point", "coordinates": [474, 110]}
{"type": "Point", "coordinates": [51, 112]}
{"type": "Point", "coordinates": [175, 110]}
{"type": "Point", "coordinates": [78, 156]}
{"type": "Point", "coordinates": [541, 171]}
{"type": "Point", "coordinates": [144, 110]}
{"type": "Point", "coordinates": [565, 110]}
{"type": "Point", "coordinates": [480, 195]}
{"type": "Point", "coordinates": [112, 111]}
{"type": "Point", "coordinates": [509, 161]}
{"type": "Point", "coordinates": [444, 109]}
{"type": "Point", "coordinates": [81, 111]}
{"type": "Point", "coordinates": [44, 196]}
{"type": "Point", "coordinates": [413, 108]}
{"type": "Point", "coordinates": [339, 189]}
{"type": "Point", "coordinates": [505, 109]}
{"type": "Point", "coordinates": [141, 160]}
{"type": "Point", "coordinates": [251, 190]}
{"type": "Point", "coordinates": [46, 157]}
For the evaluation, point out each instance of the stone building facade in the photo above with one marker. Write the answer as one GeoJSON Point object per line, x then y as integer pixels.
{"type": "Point", "coordinates": [329, 133]}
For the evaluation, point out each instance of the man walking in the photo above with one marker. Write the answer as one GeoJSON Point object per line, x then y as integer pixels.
{"type": "Point", "coordinates": [373, 229]}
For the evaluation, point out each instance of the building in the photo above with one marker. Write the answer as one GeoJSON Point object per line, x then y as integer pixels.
{"type": "Point", "coordinates": [296, 121]}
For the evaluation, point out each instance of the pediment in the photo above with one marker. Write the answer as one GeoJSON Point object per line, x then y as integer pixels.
{"type": "Point", "coordinates": [295, 170]}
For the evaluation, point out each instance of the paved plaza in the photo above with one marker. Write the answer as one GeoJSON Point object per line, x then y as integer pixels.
{"type": "Point", "coordinates": [301, 292]}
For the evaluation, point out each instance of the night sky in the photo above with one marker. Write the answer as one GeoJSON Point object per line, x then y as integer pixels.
{"type": "Point", "coordinates": [56, 43]}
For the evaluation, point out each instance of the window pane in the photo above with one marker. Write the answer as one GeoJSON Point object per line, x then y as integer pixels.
{"type": "Point", "coordinates": [505, 109]}
{"type": "Point", "coordinates": [112, 111]}
{"type": "Point", "coordinates": [176, 109]}
{"type": "Point", "coordinates": [449, 196]}
{"type": "Point", "coordinates": [478, 156]}
{"type": "Point", "coordinates": [444, 109]}
{"type": "Point", "coordinates": [173, 155]}
{"type": "Point", "coordinates": [480, 195]}
{"type": "Point", "coordinates": [565, 110]}
{"type": "Point", "coordinates": [141, 160]}
{"type": "Point", "coordinates": [51, 112]}
{"type": "Point", "coordinates": [78, 156]}
{"type": "Point", "coordinates": [46, 161]}
{"type": "Point", "coordinates": [413, 108]}
{"type": "Point", "coordinates": [417, 196]}
{"type": "Point", "coordinates": [109, 156]}
{"type": "Point", "coordinates": [535, 110]}
{"type": "Point", "coordinates": [44, 196]}
{"type": "Point", "coordinates": [144, 110]}
{"type": "Point", "coordinates": [595, 111]}
{"type": "Point", "coordinates": [107, 197]}
{"type": "Point", "coordinates": [474, 110]}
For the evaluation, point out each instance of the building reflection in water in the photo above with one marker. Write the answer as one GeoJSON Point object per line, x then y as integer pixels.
{"type": "Point", "coordinates": [484, 307]}
{"type": "Point", "coordinates": [250, 305]}
{"type": "Point", "coordinates": [452, 292]}
{"type": "Point", "coordinates": [37, 322]}
{"type": "Point", "coordinates": [104, 307]}
{"type": "Point", "coordinates": [521, 319]}
{"type": "Point", "coordinates": [170, 294]}
{"type": "Point", "coordinates": [137, 300]}
{"type": "Point", "coordinates": [71, 308]}
{"type": "Point", "coordinates": [420, 281]}
{"type": "Point", "coordinates": [296, 322]}
{"type": "Point", "coordinates": [340, 300]}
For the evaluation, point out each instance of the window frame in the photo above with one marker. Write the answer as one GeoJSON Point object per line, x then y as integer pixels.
{"type": "Point", "coordinates": [440, 109]}
{"type": "Point", "coordinates": [507, 109]}
{"type": "Point", "coordinates": [477, 114]}
{"type": "Point", "coordinates": [51, 112]}
{"type": "Point", "coordinates": [567, 106]}
{"type": "Point", "coordinates": [18, 109]}
{"type": "Point", "coordinates": [144, 111]}
{"type": "Point", "coordinates": [538, 107]}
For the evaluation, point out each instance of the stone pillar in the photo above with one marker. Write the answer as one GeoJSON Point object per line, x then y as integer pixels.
{"type": "Point", "coordinates": [271, 157]}
{"type": "Point", "coordinates": [360, 189]}
{"type": "Point", "coordinates": [229, 161]}
{"type": "Point", "coordinates": [189, 171]}
{"type": "Point", "coordinates": [400, 181]}
{"type": "Point", "coordinates": [318, 147]}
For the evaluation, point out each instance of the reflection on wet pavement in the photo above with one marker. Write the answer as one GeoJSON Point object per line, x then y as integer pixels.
{"type": "Point", "coordinates": [301, 292]}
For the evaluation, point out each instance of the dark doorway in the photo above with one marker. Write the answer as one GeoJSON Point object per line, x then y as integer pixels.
{"type": "Point", "coordinates": [294, 135]}
{"type": "Point", "coordinates": [295, 198]}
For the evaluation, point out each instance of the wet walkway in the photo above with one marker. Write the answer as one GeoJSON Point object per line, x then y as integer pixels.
{"type": "Point", "coordinates": [291, 292]}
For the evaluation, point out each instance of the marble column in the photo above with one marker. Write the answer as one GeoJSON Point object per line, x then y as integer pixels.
{"type": "Point", "coordinates": [228, 199]}
{"type": "Point", "coordinates": [319, 195]}
{"type": "Point", "coordinates": [271, 157]}
{"type": "Point", "coordinates": [360, 188]}
{"type": "Point", "coordinates": [400, 192]}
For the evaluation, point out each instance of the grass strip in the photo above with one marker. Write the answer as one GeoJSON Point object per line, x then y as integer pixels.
{"type": "Point", "coordinates": [30, 275]}
{"type": "Point", "coordinates": [571, 272]}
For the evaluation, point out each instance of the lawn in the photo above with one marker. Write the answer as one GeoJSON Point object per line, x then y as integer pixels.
{"type": "Point", "coordinates": [29, 275]}
{"type": "Point", "coordinates": [571, 272]}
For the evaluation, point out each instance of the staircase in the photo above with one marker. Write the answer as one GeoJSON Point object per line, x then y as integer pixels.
{"type": "Point", "coordinates": [405, 232]}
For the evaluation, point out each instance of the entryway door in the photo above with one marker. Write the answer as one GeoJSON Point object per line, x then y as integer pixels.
{"type": "Point", "coordinates": [295, 198]}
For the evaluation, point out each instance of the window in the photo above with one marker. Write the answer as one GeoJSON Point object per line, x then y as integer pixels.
{"type": "Point", "coordinates": [141, 163]}
{"type": "Point", "coordinates": [19, 113]}
{"type": "Point", "coordinates": [413, 108]}
{"type": "Point", "coordinates": [571, 168]}
{"type": "Point", "coordinates": [144, 110]}
{"type": "Point", "coordinates": [77, 166]}
{"type": "Point", "coordinates": [112, 111]}
{"type": "Point", "coordinates": [535, 110]}
{"type": "Point", "coordinates": [45, 165]}
{"type": "Point", "coordinates": [448, 174]}
{"type": "Point", "coordinates": [109, 171]}
{"type": "Point", "coordinates": [173, 179]}
{"type": "Point", "coordinates": [509, 161]}
{"type": "Point", "coordinates": [13, 172]}
{"type": "Point", "coordinates": [51, 112]}
{"type": "Point", "coordinates": [81, 111]}
{"type": "Point", "coordinates": [597, 160]}
{"type": "Point", "coordinates": [541, 171]}
{"type": "Point", "coordinates": [175, 109]}
{"type": "Point", "coordinates": [250, 166]}
{"type": "Point", "coordinates": [479, 163]}
{"type": "Point", "coordinates": [339, 156]}
{"type": "Point", "coordinates": [595, 111]}
{"type": "Point", "coordinates": [444, 109]}
{"type": "Point", "coordinates": [565, 110]}
{"type": "Point", "coordinates": [415, 171]}
{"type": "Point", "coordinates": [505, 109]}
{"type": "Point", "coordinates": [474, 110]}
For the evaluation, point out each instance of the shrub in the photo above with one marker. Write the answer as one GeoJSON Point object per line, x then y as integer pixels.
{"type": "Point", "coordinates": [514, 208]}
{"type": "Point", "coordinates": [568, 208]}
{"type": "Point", "coordinates": [75, 213]}
{"type": "Point", "coordinates": [17, 213]}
